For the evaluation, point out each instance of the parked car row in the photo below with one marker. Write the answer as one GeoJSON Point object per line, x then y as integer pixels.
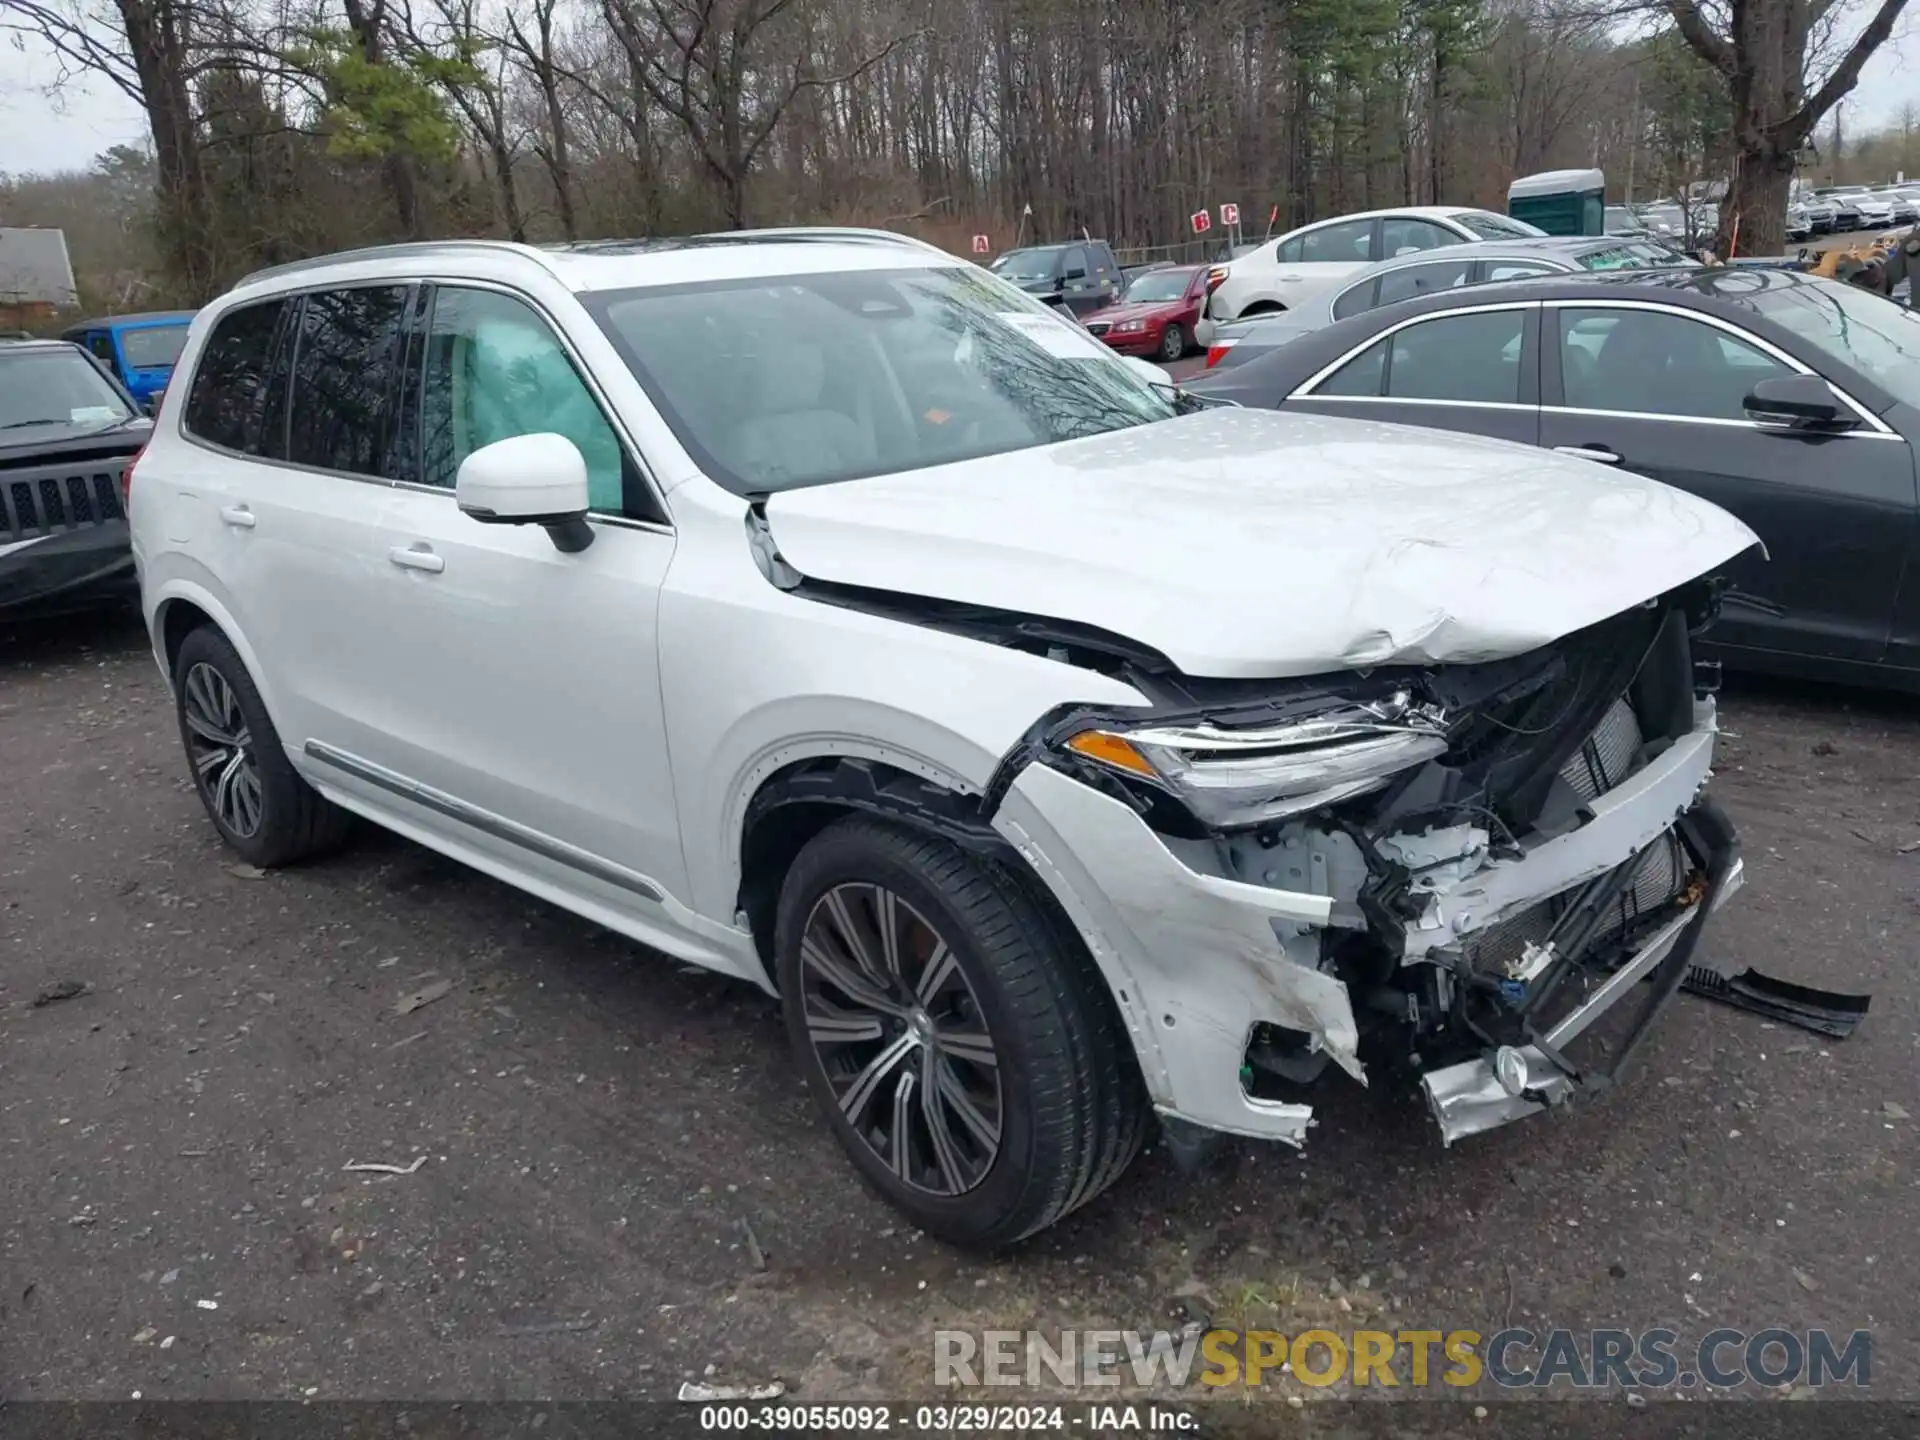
{"type": "Point", "coordinates": [1485, 262]}
{"type": "Point", "coordinates": [1277, 274]}
{"type": "Point", "coordinates": [1066, 752]}
{"type": "Point", "coordinates": [1843, 209]}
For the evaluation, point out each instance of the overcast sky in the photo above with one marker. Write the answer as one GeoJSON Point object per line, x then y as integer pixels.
{"type": "Point", "coordinates": [42, 133]}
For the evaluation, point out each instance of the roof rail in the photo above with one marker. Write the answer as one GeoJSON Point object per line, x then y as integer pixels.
{"type": "Point", "coordinates": [383, 252]}
{"type": "Point", "coordinates": [867, 233]}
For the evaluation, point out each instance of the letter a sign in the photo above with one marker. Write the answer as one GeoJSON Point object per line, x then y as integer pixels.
{"type": "Point", "coordinates": [980, 245]}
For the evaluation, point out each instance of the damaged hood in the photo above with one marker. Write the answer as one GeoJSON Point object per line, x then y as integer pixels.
{"type": "Point", "coordinates": [1257, 543]}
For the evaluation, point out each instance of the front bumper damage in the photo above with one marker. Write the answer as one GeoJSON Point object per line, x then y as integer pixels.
{"type": "Point", "coordinates": [1489, 1091]}
{"type": "Point", "coordinates": [1198, 959]}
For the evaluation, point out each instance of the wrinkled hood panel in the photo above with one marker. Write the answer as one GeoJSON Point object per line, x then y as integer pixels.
{"type": "Point", "coordinates": [1254, 543]}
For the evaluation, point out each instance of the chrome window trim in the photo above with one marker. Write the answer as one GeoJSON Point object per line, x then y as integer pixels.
{"type": "Point", "coordinates": [608, 411]}
{"type": "Point", "coordinates": [1716, 420]}
{"type": "Point", "coordinates": [1877, 428]}
{"type": "Point", "coordinates": [1304, 391]}
{"type": "Point", "coordinates": [1409, 400]}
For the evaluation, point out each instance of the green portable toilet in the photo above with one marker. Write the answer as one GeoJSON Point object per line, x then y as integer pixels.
{"type": "Point", "coordinates": [1561, 202]}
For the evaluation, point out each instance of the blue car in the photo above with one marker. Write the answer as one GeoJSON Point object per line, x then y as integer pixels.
{"type": "Point", "coordinates": [138, 349]}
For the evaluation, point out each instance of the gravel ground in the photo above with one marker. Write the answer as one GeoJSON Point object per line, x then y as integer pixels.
{"type": "Point", "coordinates": [605, 1142]}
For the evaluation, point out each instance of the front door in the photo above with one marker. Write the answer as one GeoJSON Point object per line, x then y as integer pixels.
{"type": "Point", "coordinates": [526, 685]}
{"type": "Point", "coordinates": [1659, 392]}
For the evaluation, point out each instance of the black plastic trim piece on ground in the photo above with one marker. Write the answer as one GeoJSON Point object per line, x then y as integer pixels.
{"type": "Point", "coordinates": [1825, 1012]}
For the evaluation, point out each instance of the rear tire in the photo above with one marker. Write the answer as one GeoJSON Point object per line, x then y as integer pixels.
{"type": "Point", "coordinates": [255, 798]}
{"type": "Point", "coordinates": [981, 1000]}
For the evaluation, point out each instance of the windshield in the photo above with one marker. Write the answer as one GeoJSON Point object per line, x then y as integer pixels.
{"type": "Point", "coordinates": [56, 389]}
{"type": "Point", "coordinates": [1041, 264]}
{"type": "Point", "coordinates": [152, 346]}
{"type": "Point", "coordinates": [1636, 255]}
{"type": "Point", "coordinates": [1159, 285]}
{"type": "Point", "coordinates": [1877, 337]}
{"type": "Point", "coordinates": [1489, 226]}
{"type": "Point", "coordinates": [809, 379]}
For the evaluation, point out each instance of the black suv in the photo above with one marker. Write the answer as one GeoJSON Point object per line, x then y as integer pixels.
{"type": "Point", "coordinates": [67, 433]}
{"type": "Point", "coordinates": [1080, 275]}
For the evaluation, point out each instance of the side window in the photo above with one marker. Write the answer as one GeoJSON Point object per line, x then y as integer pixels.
{"type": "Point", "coordinates": [1398, 237]}
{"type": "Point", "coordinates": [101, 344]}
{"type": "Point", "coordinates": [1073, 265]}
{"type": "Point", "coordinates": [1291, 252]}
{"type": "Point", "coordinates": [230, 383]}
{"type": "Point", "coordinates": [1412, 280]}
{"type": "Point", "coordinates": [345, 380]}
{"type": "Point", "coordinates": [1350, 241]}
{"type": "Point", "coordinates": [1498, 270]}
{"type": "Point", "coordinates": [1459, 357]}
{"type": "Point", "coordinates": [1103, 262]}
{"type": "Point", "coordinates": [494, 370]}
{"type": "Point", "coordinates": [1357, 299]}
{"type": "Point", "coordinates": [1657, 363]}
{"type": "Point", "coordinates": [1360, 377]}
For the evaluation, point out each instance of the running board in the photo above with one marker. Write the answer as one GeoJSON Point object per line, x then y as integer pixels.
{"type": "Point", "coordinates": [1826, 1012]}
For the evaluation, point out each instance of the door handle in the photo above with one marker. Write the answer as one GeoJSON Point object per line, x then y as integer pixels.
{"type": "Point", "coordinates": [238, 516]}
{"type": "Point", "coordinates": [1589, 452]}
{"type": "Point", "coordinates": [417, 557]}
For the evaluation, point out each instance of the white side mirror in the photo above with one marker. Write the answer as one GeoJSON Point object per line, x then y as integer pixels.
{"type": "Point", "coordinates": [528, 480]}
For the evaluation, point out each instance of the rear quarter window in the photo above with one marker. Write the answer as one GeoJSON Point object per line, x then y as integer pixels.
{"type": "Point", "coordinates": [228, 394]}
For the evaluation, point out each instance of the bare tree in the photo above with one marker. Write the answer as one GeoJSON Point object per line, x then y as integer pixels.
{"type": "Point", "coordinates": [1765, 49]}
{"type": "Point", "coordinates": [710, 64]}
{"type": "Point", "coordinates": [147, 49]}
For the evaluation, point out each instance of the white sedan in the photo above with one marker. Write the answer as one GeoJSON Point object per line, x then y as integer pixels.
{"type": "Point", "coordinates": [1276, 274]}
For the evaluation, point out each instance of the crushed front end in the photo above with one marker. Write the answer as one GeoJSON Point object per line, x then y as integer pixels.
{"type": "Point", "coordinates": [1472, 872]}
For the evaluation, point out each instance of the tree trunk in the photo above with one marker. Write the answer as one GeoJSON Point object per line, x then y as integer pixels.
{"type": "Point", "coordinates": [1753, 217]}
{"type": "Point", "coordinates": [153, 35]}
{"type": "Point", "coordinates": [405, 190]}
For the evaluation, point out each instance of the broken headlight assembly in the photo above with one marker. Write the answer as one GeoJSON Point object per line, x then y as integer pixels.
{"type": "Point", "coordinates": [1234, 777]}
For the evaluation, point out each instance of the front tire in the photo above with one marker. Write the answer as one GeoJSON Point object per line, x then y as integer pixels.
{"type": "Point", "coordinates": [1173, 344]}
{"type": "Point", "coordinates": [964, 1049]}
{"type": "Point", "coordinates": [253, 795]}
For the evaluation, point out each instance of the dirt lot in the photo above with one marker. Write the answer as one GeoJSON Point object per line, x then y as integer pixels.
{"type": "Point", "coordinates": [599, 1129]}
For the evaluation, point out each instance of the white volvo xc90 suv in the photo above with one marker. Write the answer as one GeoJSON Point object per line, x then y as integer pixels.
{"type": "Point", "coordinates": [815, 607]}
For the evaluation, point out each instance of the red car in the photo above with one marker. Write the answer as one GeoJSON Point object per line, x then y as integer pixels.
{"type": "Point", "coordinates": [1157, 316]}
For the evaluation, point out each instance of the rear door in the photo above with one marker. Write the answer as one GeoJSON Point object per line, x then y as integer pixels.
{"type": "Point", "coordinates": [301, 532]}
{"type": "Point", "coordinates": [1472, 369]}
{"type": "Point", "coordinates": [1323, 255]}
{"type": "Point", "coordinates": [1659, 390]}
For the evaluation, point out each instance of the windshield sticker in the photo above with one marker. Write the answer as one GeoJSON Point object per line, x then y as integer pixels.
{"type": "Point", "coordinates": [1056, 337]}
{"type": "Point", "coordinates": [92, 414]}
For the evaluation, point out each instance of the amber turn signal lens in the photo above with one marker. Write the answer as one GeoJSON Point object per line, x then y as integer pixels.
{"type": "Point", "coordinates": [1112, 750]}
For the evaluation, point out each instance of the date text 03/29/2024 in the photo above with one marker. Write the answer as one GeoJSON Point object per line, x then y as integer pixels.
{"type": "Point", "coordinates": [947, 1419]}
